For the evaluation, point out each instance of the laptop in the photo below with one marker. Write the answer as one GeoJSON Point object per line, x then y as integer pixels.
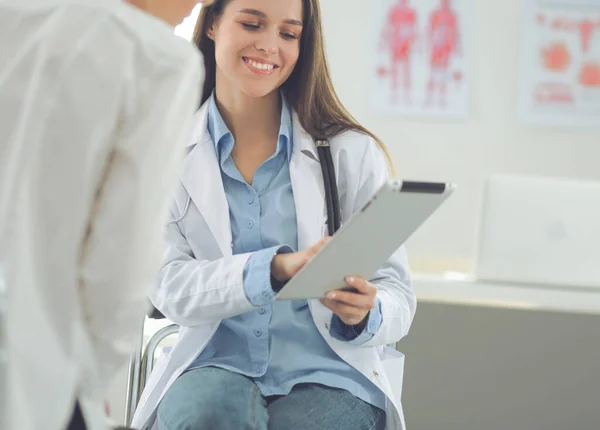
{"type": "Point", "coordinates": [540, 231]}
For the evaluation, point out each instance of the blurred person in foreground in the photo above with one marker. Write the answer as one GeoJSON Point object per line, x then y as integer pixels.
{"type": "Point", "coordinates": [94, 96]}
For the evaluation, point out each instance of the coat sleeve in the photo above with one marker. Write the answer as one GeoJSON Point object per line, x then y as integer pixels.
{"type": "Point", "coordinates": [393, 280]}
{"type": "Point", "coordinates": [192, 290]}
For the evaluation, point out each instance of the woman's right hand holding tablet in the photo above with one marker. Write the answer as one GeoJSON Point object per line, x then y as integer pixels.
{"type": "Point", "coordinates": [285, 266]}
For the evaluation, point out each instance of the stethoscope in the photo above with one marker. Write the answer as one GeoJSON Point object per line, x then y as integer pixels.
{"type": "Point", "coordinates": [332, 199]}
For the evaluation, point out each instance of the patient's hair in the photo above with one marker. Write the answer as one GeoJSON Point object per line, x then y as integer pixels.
{"type": "Point", "coordinates": [309, 89]}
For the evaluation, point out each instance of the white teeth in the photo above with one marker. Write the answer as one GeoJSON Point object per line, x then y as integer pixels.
{"type": "Point", "coordinates": [261, 66]}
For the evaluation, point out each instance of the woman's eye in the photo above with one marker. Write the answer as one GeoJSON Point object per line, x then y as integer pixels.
{"type": "Point", "coordinates": [249, 26]}
{"type": "Point", "coordinates": [288, 36]}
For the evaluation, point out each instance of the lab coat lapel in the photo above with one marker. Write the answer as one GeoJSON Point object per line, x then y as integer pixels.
{"type": "Point", "coordinates": [308, 188]}
{"type": "Point", "coordinates": [202, 180]}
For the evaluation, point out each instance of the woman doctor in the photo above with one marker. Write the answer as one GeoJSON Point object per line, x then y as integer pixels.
{"type": "Point", "coordinates": [251, 194]}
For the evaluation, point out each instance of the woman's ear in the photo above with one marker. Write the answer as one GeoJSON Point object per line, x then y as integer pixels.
{"type": "Point", "coordinates": [211, 28]}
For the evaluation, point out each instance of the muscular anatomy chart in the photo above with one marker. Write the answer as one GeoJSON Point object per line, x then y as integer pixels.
{"type": "Point", "coordinates": [420, 57]}
{"type": "Point", "coordinates": [560, 63]}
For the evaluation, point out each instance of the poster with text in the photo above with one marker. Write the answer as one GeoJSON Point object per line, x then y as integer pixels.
{"type": "Point", "coordinates": [421, 52]}
{"type": "Point", "coordinates": [560, 63]}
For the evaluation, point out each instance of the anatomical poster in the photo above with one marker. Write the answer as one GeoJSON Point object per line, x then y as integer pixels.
{"type": "Point", "coordinates": [560, 63]}
{"type": "Point", "coordinates": [421, 53]}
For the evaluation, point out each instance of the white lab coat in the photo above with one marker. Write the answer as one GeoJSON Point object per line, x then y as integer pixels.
{"type": "Point", "coordinates": [201, 282]}
{"type": "Point", "coordinates": [93, 97]}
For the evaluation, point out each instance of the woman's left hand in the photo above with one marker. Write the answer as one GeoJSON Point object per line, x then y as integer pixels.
{"type": "Point", "coordinates": [352, 307]}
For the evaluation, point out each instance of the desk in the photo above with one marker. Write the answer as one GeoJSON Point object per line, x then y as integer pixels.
{"type": "Point", "coordinates": [464, 290]}
{"type": "Point", "coordinates": [487, 356]}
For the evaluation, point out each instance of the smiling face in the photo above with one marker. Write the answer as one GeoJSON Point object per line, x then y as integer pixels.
{"type": "Point", "coordinates": [257, 44]}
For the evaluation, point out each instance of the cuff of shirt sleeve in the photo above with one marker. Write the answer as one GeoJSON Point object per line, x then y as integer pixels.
{"type": "Point", "coordinates": [349, 334]}
{"type": "Point", "coordinates": [257, 275]}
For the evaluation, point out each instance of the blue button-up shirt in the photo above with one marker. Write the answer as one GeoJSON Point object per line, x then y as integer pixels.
{"type": "Point", "coordinates": [277, 344]}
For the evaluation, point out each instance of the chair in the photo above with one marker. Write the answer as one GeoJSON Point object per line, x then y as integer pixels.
{"type": "Point", "coordinates": [142, 362]}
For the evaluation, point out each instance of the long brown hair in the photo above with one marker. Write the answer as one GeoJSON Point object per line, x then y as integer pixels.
{"type": "Point", "coordinates": [309, 89]}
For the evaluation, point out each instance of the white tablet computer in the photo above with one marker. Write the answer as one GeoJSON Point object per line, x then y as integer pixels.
{"type": "Point", "coordinates": [365, 242]}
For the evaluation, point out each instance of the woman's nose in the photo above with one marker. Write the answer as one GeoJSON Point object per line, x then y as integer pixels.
{"type": "Point", "coordinates": [267, 43]}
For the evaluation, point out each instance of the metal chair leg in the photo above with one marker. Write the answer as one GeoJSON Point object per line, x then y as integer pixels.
{"type": "Point", "coordinates": [140, 368]}
{"type": "Point", "coordinates": [133, 380]}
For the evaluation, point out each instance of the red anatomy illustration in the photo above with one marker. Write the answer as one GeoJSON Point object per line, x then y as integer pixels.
{"type": "Point", "coordinates": [585, 27]}
{"type": "Point", "coordinates": [556, 56]}
{"type": "Point", "coordinates": [589, 75]}
{"type": "Point", "coordinates": [443, 36]}
{"type": "Point", "coordinates": [398, 36]}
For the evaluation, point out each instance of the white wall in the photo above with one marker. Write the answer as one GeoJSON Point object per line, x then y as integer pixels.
{"type": "Point", "coordinates": [491, 140]}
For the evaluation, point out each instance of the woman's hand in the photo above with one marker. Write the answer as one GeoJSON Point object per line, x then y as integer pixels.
{"type": "Point", "coordinates": [284, 266]}
{"type": "Point", "coordinates": [352, 307]}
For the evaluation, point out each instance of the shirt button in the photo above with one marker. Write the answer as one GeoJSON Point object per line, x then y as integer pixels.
{"type": "Point", "coordinates": [250, 200]}
{"type": "Point", "coordinates": [262, 311]}
{"type": "Point", "coordinates": [327, 326]}
{"type": "Point", "coordinates": [375, 373]}
{"type": "Point", "coordinates": [250, 224]}
{"type": "Point", "coordinates": [258, 333]}
{"type": "Point", "coordinates": [259, 369]}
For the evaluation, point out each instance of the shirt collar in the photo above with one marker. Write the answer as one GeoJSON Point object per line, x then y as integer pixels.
{"type": "Point", "coordinates": [218, 130]}
{"type": "Point", "coordinates": [286, 127]}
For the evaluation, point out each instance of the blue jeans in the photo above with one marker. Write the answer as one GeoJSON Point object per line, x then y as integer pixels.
{"type": "Point", "coordinates": [211, 398]}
